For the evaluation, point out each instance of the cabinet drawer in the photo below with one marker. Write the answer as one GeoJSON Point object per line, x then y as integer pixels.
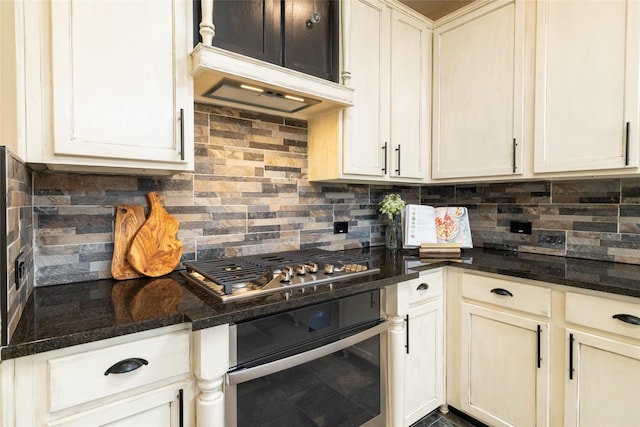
{"type": "Point", "coordinates": [81, 377]}
{"type": "Point", "coordinates": [597, 312]}
{"type": "Point", "coordinates": [505, 293]}
{"type": "Point", "coordinates": [427, 286]}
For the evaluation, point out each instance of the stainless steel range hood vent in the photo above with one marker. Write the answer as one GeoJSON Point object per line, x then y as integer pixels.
{"type": "Point", "coordinates": [218, 75]}
{"type": "Point", "coordinates": [242, 93]}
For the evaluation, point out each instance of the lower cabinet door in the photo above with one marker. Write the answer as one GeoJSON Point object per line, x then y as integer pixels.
{"type": "Point", "coordinates": [602, 386]}
{"type": "Point", "coordinates": [423, 364]}
{"type": "Point", "coordinates": [505, 367]}
{"type": "Point", "coordinates": [164, 407]}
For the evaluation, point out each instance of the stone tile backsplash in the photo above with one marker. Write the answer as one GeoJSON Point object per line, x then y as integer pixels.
{"type": "Point", "coordinates": [17, 229]}
{"type": "Point", "coordinates": [249, 194]}
{"type": "Point", "coordinates": [594, 219]}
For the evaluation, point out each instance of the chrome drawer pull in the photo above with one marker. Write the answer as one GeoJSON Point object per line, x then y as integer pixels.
{"type": "Point", "coordinates": [422, 287]}
{"type": "Point", "coordinates": [126, 365]}
{"type": "Point", "coordinates": [500, 291]}
{"type": "Point", "coordinates": [628, 318]}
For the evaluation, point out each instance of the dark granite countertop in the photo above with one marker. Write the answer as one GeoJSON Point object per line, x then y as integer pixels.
{"type": "Point", "coordinates": [66, 315]}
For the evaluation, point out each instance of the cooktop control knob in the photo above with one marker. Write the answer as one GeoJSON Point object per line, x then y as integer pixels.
{"type": "Point", "coordinates": [301, 270]}
{"type": "Point", "coordinates": [285, 276]}
{"type": "Point", "coordinates": [328, 268]}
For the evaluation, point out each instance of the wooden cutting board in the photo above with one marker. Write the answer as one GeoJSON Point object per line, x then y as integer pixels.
{"type": "Point", "coordinates": [156, 250]}
{"type": "Point", "coordinates": [129, 219]}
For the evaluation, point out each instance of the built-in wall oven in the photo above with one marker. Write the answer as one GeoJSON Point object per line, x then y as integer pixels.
{"type": "Point", "coordinates": [321, 365]}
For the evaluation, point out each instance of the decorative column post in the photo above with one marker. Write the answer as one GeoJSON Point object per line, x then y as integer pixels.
{"type": "Point", "coordinates": [396, 370]}
{"type": "Point", "coordinates": [207, 29]}
{"type": "Point", "coordinates": [345, 28]}
{"type": "Point", "coordinates": [211, 362]}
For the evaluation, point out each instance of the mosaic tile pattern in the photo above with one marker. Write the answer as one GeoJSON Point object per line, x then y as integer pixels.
{"type": "Point", "coordinates": [19, 238]}
{"type": "Point", "coordinates": [250, 194]}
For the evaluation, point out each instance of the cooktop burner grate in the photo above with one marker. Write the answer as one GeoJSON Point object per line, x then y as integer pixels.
{"type": "Point", "coordinates": [291, 258]}
{"type": "Point", "coordinates": [227, 271]}
{"type": "Point", "coordinates": [254, 271]}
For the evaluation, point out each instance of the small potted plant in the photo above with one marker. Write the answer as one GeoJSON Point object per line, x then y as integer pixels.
{"type": "Point", "coordinates": [392, 205]}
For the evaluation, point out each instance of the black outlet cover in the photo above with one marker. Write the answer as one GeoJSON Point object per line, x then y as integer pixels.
{"type": "Point", "coordinates": [20, 269]}
{"type": "Point", "coordinates": [340, 227]}
{"type": "Point", "coordinates": [520, 227]}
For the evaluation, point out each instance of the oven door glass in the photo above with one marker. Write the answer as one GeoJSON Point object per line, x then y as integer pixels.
{"type": "Point", "coordinates": [344, 388]}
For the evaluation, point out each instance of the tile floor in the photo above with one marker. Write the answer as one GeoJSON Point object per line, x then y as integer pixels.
{"type": "Point", "coordinates": [436, 419]}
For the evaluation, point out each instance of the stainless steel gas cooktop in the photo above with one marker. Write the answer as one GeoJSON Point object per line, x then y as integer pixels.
{"type": "Point", "coordinates": [236, 278]}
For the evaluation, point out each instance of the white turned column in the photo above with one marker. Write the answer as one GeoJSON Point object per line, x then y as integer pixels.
{"type": "Point", "coordinates": [210, 403]}
{"type": "Point", "coordinates": [396, 368]}
{"type": "Point", "coordinates": [211, 362]}
{"type": "Point", "coordinates": [345, 25]}
{"type": "Point", "coordinates": [207, 29]}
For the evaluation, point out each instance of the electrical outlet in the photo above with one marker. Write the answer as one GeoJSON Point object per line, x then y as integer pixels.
{"type": "Point", "coordinates": [340, 227]}
{"type": "Point", "coordinates": [20, 270]}
{"type": "Point", "coordinates": [520, 227]}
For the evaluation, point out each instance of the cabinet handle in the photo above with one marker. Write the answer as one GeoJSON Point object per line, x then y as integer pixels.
{"type": "Point", "coordinates": [384, 165]}
{"type": "Point", "coordinates": [500, 291]}
{"type": "Point", "coordinates": [181, 408]}
{"type": "Point", "coordinates": [628, 318]}
{"type": "Point", "coordinates": [126, 365]}
{"type": "Point", "coordinates": [406, 319]}
{"type": "Point", "coordinates": [422, 287]}
{"type": "Point", "coordinates": [182, 134]}
{"type": "Point", "coordinates": [570, 356]}
{"type": "Point", "coordinates": [398, 150]}
{"type": "Point", "coordinates": [626, 145]}
{"type": "Point", "coordinates": [539, 354]}
{"type": "Point", "coordinates": [515, 145]}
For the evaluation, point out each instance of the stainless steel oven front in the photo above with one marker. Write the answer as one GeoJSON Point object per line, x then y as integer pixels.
{"type": "Point", "coordinates": [321, 365]}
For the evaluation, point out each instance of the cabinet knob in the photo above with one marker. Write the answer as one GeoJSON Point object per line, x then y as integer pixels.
{"type": "Point", "coordinates": [422, 287]}
{"type": "Point", "coordinates": [126, 365]}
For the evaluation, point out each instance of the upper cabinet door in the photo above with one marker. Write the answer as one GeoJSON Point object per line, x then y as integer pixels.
{"type": "Point", "coordinates": [586, 114]}
{"type": "Point", "coordinates": [121, 84]}
{"type": "Point", "coordinates": [366, 123]}
{"type": "Point", "coordinates": [310, 37]}
{"type": "Point", "coordinates": [410, 130]}
{"type": "Point", "coordinates": [478, 92]}
{"type": "Point", "coordinates": [249, 27]}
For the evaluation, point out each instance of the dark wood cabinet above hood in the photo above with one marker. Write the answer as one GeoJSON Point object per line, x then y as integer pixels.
{"type": "Point", "coordinates": [283, 49]}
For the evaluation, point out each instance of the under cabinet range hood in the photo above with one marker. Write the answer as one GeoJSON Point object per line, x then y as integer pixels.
{"type": "Point", "coordinates": [236, 80]}
{"type": "Point", "coordinates": [242, 93]}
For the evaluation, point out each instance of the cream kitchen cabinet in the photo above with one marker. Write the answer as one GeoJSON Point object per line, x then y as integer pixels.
{"type": "Point", "coordinates": [108, 86]}
{"type": "Point", "coordinates": [385, 136]}
{"type": "Point", "coordinates": [416, 343]}
{"type": "Point", "coordinates": [504, 351]}
{"type": "Point", "coordinates": [137, 379]}
{"type": "Point", "coordinates": [602, 381]}
{"type": "Point", "coordinates": [587, 74]}
{"type": "Point", "coordinates": [479, 91]}
{"type": "Point", "coordinates": [158, 408]}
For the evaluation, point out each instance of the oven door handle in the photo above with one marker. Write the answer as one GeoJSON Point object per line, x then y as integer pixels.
{"type": "Point", "coordinates": [244, 375]}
